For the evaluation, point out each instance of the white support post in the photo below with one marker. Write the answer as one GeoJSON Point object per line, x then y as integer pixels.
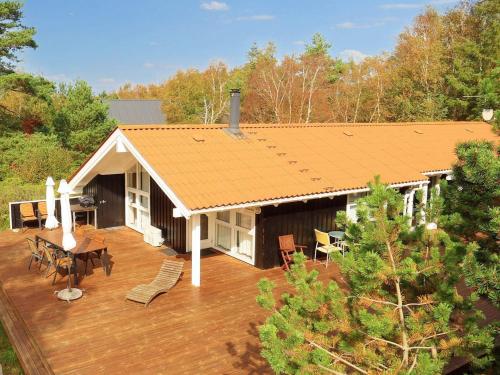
{"type": "Point", "coordinates": [424, 203]}
{"type": "Point", "coordinates": [195, 250]}
{"type": "Point", "coordinates": [409, 208]}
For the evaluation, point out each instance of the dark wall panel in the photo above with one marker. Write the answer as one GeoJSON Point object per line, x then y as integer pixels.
{"type": "Point", "coordinates": [299, 219]}
{"type": "Point", "coordinates": [162, 208]}
{"type": "Point", "coordinates": [108, 192]}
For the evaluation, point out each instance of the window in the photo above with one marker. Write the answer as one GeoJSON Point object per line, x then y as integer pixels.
{"type": "Point", "coordinates": [224, 216]}
{"type": "Point", "coordinates": [132, 178]}
{"type": "Point", "coordinates": [234, 233]}
{"type": "Point", "coordinates": [244, 243]}
{"type": "Point", "coordinates": [144, 179]}
{"type": "Point", "coordinates": [137, 198]}
{"type": "Point", "coordinates": [223, 236]}
{"type": "Point", "coordinates": [243, 220]}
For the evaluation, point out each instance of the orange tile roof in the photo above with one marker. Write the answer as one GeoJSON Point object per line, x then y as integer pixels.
{"type": "Point", "coordinates": [205, 167]}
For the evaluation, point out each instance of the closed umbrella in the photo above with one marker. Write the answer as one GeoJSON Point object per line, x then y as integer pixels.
{"type": "Point", "coordinates": [68, 241]}
{"type": "Point", "coordinates": [51, 222]}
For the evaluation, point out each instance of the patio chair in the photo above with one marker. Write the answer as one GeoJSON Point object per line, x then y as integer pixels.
{"type": "Point", "coordinates": [96, 254]}
{"type": "Point", "coordinates": [48, 254]}
{"type": "Point", "coordinates": [287, 248]}
{"type": "Point", "coordinates": [62, 261]}
{"type": "Point", "coordinates": [27, 214]}
{"type": "Point", "coordinates": [324, 245]}
{"type": "Point", "coordinates": [168, 276]}
{"type": "Point", "coordinates": [36, 253]}
{"type": "Point", "coordinates": [42, 213]}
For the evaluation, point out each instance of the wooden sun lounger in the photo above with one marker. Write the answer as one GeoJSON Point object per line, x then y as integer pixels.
{"type": "Point", "coordinates": [168, 276]}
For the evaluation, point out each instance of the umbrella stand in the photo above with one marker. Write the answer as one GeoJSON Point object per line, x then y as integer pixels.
{"type": "Point", "coordinates": [69, 294]}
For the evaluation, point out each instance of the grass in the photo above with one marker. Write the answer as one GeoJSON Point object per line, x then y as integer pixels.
{"type": "Point", "coordinates": [8, 358]}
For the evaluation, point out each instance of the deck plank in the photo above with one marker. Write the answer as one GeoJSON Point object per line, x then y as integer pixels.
{"type": "Point", "coordinates": [209, 330]}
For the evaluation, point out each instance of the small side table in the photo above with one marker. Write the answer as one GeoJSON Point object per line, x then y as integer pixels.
{"type": "Point", "coordinates": [77, 208]}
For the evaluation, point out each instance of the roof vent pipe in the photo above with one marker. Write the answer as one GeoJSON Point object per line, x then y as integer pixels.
{"type": "Point", "coordinates": [234, 113]}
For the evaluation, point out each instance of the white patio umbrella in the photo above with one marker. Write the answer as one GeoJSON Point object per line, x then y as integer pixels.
{"type": "Point", "coordinates": [66, 221]}
{"type": "Point", "coordinates": [68, 241]}
{"type": "Point", "coordinates": [51, 221]}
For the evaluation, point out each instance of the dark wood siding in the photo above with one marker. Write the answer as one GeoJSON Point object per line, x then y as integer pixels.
{"type": "Point", "coordinates": [162, 211]}
{"type": "Point", "coordinates": [15, 212]}
{"type": "Point", "coordinates": [299, 219]}
{"type": "Point", "coordinates": [108, 192]}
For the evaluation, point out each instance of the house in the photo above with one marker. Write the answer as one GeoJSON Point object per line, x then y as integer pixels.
{"type": "Point", "coordinates": [136, 111]}
{"type": "Point", "coordinates": [237, 188]}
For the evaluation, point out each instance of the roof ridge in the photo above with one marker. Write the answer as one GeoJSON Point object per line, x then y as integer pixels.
{"type": "Point", "coordinates": [295, 125]}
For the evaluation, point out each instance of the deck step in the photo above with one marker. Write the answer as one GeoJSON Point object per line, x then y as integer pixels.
{"type": "Point", "coordinates": [27, 350]}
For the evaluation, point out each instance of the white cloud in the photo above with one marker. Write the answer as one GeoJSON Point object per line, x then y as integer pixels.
{"type": "Point", "coordinates": [58, 78]}
{"type": "Point", "coordinates": [257, 17]}
{"type": "Point", "coordinates": [416, 5]}
{"type": "Point", "coordinates": [299, 42]}
{"type": "Point", "coordinates": [401, 6]}
{"type": "Point", "coordinates": [148, 65]}
{"type": "Point", "coordinates": [353, 25]}
{"type": "Point", "coordinates": [214, 5]}
{"type": "Point", "coordinates": [353, 55]}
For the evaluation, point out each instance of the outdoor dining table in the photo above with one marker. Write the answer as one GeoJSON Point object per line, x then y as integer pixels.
{"type": "Point", "coordinates": [84, 245]}
{"type": "Point", "coordinates": [337, 234]}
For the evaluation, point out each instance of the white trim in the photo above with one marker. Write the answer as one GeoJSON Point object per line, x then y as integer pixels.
{"type": "Point", "coordinates": [94, 159]}
{"type": "Point", "coordinates": [439, 172]}
{"type": "Point", "coordinates": [299, 198]}
{"type": "Point", "coordinates": [195, 250]}
{"type": "Point", "coordinates": [106, 147]}
{"type": "Point", "coordinates": [152, 173]}
{"type": "Point", "coordinates": [10, 216]}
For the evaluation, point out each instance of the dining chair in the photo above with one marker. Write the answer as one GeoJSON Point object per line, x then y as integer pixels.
{"type": "Point", "coordinates": [324, 245]}
{"type": "Point", "coordinates": [36, 253]}
{"type": "Point", "coordinates": [62, 261]}
{"type": "Point", "coordinates": [27, 214]}
{"type": "Point", "coordinates": [97, 237]}
{"type": "Point", "coordinates": [49, 254]}
{"type": "Point", "coordinates": [42, 212]}
{"type": "Point", "coordinates": [287, 248]}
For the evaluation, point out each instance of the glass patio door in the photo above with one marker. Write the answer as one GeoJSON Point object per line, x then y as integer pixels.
{"type": "Point", "coordinates": [235, 232]}
{"type": "Point", "coordinates": [137, 198]}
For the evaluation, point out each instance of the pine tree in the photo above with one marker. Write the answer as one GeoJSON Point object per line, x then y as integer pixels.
{"type": "Point", "coordinates": [400, 312]}
{"type": "Point", "coordinates": [472, 214]}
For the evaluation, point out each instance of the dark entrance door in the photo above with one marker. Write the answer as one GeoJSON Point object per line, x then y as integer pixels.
{"type": "Point", "coordinates": [110, 200]}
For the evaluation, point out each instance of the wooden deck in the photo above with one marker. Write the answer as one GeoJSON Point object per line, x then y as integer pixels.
{"type": "Point", "coordinates": [207, 330]}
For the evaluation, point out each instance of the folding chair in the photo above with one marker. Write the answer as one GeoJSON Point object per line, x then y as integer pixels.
{"type": "Point", "coordinates": [287, 248]}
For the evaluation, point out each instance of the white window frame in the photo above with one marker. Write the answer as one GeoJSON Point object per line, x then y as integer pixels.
{"type": "Point", "coordinates": [138, 193]}
{"type": "Point", "coordinates": [232, 225]}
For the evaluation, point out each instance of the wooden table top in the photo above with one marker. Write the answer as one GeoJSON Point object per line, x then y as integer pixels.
{"type": "Point", "coordinates": [78, 208]}
{"type": "Point", "coordinates": [83, 244]}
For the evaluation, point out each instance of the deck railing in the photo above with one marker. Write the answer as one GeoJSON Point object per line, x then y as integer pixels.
{"type": "Point", "coordinates": [15, 212]}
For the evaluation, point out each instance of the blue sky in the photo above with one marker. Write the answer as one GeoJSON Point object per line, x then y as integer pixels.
{"type": "Point", "coordinates": [111, 42]}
